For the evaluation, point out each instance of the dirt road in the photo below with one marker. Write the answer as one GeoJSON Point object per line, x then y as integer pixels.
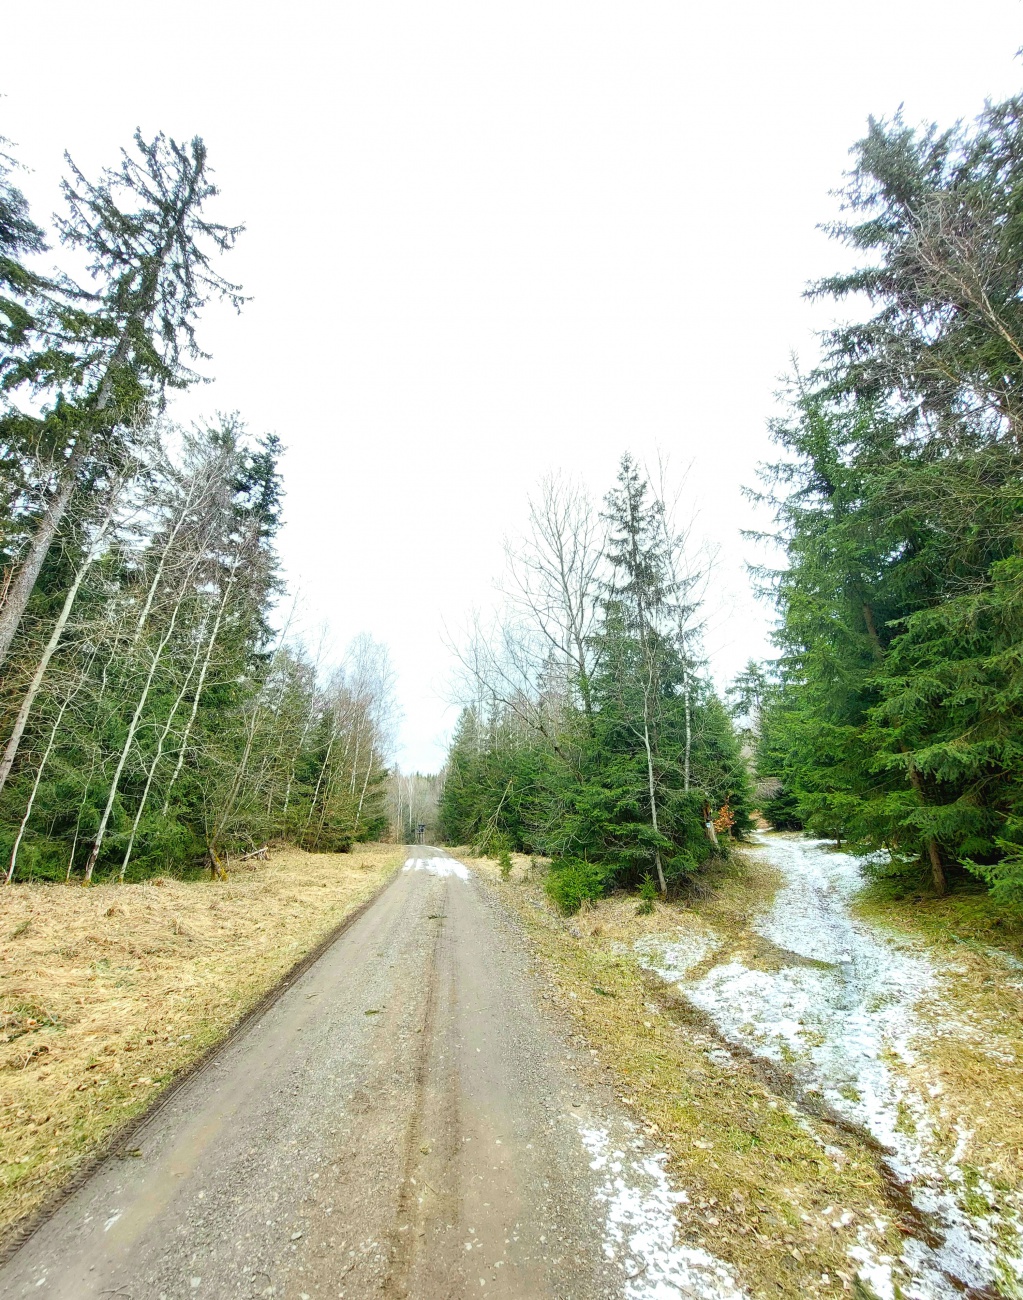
{"type": "Point", "coordinates": [405, 1121]}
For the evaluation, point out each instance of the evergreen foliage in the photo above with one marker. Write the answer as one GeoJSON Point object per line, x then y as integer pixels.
{"type": "Point", "coordinates": [152, 719]}
{"type": "Point", "coordinates": [611, 763]}
{"type": "Point", "coordinates": [896, 722]}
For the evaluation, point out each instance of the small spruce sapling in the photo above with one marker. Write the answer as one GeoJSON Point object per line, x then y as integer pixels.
{"type": "Point", "coordinates": [647, 896]}
{"type": "Point", "coordinates": [505, 863]}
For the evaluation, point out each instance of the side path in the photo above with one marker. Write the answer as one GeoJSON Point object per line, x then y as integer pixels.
{"type": "Point", "coordinates": [401, 1123]}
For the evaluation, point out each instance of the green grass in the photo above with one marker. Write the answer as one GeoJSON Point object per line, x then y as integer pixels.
{"type": "Point", "coordinates": [967, 915]}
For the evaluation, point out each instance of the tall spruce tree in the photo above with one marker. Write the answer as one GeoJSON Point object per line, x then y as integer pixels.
{"type": "Point", "coordinates": [897, 718]}
{"type": "Point", "coordinates": [107, 353]}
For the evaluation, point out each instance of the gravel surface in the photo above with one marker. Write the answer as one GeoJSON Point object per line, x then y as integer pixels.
{"type": "Point", "coordinates": [403, 1122]}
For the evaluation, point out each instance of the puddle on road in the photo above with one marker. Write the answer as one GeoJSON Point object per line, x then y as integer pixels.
{"type": "Point", "coordinates": [438, 867]}
{"type": "Point", "coordinates": [838, 1017]}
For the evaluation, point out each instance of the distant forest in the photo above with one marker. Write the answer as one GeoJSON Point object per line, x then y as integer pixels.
{"type": "Point", "coordinates": [151, 719]}
{"type": "Point", "coordinates": [892, 720]}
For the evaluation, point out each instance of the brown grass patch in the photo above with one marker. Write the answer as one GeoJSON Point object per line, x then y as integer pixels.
{"type": "Point", "coordinates": [975, 1017]}
{"type": "Point", "coordinates": [764, 1193]}
{"type": "Point", "coordinates": [109, 993]}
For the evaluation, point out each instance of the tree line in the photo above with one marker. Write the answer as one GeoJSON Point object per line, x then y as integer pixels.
{"type": "Point", "coordinates": [893, 719]}
{"type": "Point", "coordinates": [591, 734]}
{"type": "Point", "coordinates": [152, 718]}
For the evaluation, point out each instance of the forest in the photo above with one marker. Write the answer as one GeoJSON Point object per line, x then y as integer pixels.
{"type": "Point", "coordinates": [595, 738]}
{"type": "Point", "coordinates": [893, 717]}
{"type": "Point", "coordinates": [156, 716]}
{"type": "Point", "coordinates": [892, 720]}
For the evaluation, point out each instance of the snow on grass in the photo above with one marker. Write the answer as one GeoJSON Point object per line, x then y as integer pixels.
{"type": "Point", "coordinates": [684, 951]}
{"type": "Point", "coordinates": [639, 1227]}
{"type": "Point", "coordinates": [438, 867]}
{"type": "Point", "coordinates": [841, 1017]}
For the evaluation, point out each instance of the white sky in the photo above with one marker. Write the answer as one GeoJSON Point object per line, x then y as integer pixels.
{"type": "Point", "coordinates": [488, 241]}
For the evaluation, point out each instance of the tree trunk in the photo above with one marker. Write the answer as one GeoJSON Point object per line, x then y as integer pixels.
{"type": "Point", "coordinates": [201, 683]}
{"type": "Point", "coordinates": [157, 756]}
{"type": "Point", "coordinates": [20, 722]}
{"type": "Point", "coordinates": [365, 786]}
{"type": "Point", "coordinates": [933, 849]}
{"type": "Point", "coordinates": [23, 582]}
{"type": "Point", "coordinates": [20, 589]}
{"type": "Point", "coordinates": [871, 626]}
{"type": "Point", "coordinates": [132, 729]}
{"type": "Point", "coordinates": [35, 790]}
{"type": "Point", "coordinates": [653, 806]}
{"type": "Point", "coordinates": [688, 703]}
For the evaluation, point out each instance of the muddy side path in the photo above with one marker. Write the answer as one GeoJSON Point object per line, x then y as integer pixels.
{"type": "Point", "coordinates": [403, 1122]}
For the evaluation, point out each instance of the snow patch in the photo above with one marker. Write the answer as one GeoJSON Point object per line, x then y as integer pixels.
{"type": "Point", "coordinates": [438, 867]}
{"type": "Point", "coordinates": [640, 1226]}
{"type": "Point", "coordinates": [676, 957]}
{"type": "Point", "coordinates": [841, 1018]}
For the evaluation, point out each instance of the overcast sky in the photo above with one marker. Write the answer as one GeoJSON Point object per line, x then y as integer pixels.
{"type": "Point", "coordinates": [486, 241]}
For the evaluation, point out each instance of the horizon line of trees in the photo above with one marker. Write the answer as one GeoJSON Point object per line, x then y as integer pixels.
{"type": "Point", "coordinates": [893, 718]}
{"type": "Point", "coordinates": [151, 718]}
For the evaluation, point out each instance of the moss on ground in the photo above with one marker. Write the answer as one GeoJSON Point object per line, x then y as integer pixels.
{"type": "Point", "coordinates": [966, 917]}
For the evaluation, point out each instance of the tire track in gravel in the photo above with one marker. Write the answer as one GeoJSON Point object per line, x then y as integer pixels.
{"type": "Point", "coordinates": [404, 1234]}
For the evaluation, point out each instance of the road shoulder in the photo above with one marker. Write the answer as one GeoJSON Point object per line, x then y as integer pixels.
{"type": "Point", "coordinates": [780, 1196]}
{"type": "Point", "coordinates": [115, 994]}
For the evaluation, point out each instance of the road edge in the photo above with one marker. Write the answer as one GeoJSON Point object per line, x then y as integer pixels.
{"type": "Point", "coordinates": [18, 1233]}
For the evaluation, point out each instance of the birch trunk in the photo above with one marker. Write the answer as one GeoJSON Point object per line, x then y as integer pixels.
{"type": "Point", "coordinates": [201, 682]}
{"type": "Point", "coordinates": [158, 755]}
{"type": "Point", "coordinates": [21, 721]}
{"type": "Point", "coordinates": [365, 785]}
{"type": "Point", "coordinates": [35, 790]}
{"type": "Point", "coordinates": [132, 729]}
{"type": "Point", "coordinates": [651, 785]}
{"type": "Point", "coordinates": [158, 575]}
{"type": "Point", "coordinates": [688, 705]}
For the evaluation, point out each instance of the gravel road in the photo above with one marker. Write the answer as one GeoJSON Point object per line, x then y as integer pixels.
{"type": "Point", "coordinates": [407, 1120]}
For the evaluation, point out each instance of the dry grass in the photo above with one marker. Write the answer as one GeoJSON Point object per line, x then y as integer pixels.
{"type": "Point", "coordinates": [109, 993]}
{"type": "Point", "coordinates": [975, 1015]}
{"type": "Point", "coordinates": [764, 1194]}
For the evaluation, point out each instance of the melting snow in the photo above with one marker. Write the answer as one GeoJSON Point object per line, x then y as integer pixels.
{"type": "Point", "coordinates": [438, 867]}
{"type": "Point", "coordinates": [841, 1017]}
{"type": "Point", "coordinates": [639, 1228]}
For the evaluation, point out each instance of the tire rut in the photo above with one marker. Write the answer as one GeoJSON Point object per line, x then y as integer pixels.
{"type": "Point", "coordinates": [403, 1236]}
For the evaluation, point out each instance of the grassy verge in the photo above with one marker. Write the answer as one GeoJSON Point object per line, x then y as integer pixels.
{"type": "Point", "coordinates": [974, 1052]}
{"type": "Point", "coordinates": [111, 992]}
{"type": "Point", "coordinates": [968, 917]}
{"type": "Point", "coordinates": [780, 1197]}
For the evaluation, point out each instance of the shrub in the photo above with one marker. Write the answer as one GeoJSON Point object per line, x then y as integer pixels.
{"type": "Point", "coordinates": [647, 896]}
{"type": "Point", "coordinates": [571, 882]}
{"type": "Point", "coordinates": [505, 863]}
